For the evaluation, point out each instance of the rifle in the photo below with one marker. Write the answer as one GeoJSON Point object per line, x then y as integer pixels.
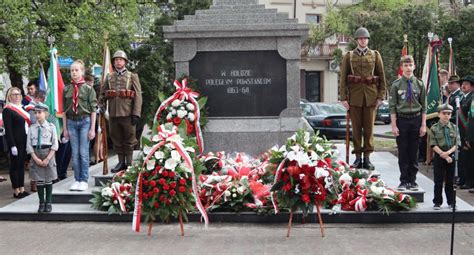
{"type": "Point", "coordinates": [101, 149]}
{"type": "Point", "coordinates": [348, 138]}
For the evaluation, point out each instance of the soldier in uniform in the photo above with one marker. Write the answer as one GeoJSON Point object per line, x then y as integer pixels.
{"type": "Point", "coordinates": [454, 87]}
{"type": "Point", "coordinates": [362, 88]}
{"type": "Point", "coordinates": [408, 115]}
{"type": "Point", "coordinates": [122, 92]}
{"type": "Point", "coordinates": [466, 152]}
{"type": "Point", "coordinates": [444, 140]}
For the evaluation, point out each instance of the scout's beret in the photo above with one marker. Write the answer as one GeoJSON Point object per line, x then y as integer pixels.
{"type": "Point", "coordinates": [468, 78]}
{"type": "Point", "coordinates": [454, 78]}
{"type": "Point", "coordinates": [445, 107]}
{"type": "Point", "coordinates": [42, 107]}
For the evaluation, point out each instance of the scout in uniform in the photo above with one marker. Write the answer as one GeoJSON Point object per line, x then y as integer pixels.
{"type": "Point", "coordinates": [444, 139]}
{"type": "Point", "coordinates": [454, 87]}
{"type": "Point", "coordinates": [408, 115]}
{"type": "Point", "coordinates": [362, 89]}
{"type": "Point", "coordinates": [41, 144]}
{"type": "Point", "coordinates": [465, 153]}
{"type": "Point", "coordinates": [122, 92]}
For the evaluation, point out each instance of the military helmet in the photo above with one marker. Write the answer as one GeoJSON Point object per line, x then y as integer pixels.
{"type": "Point", "coordinates": [361, 32]}
{"type": "Point", "coordinates": [120, 54]}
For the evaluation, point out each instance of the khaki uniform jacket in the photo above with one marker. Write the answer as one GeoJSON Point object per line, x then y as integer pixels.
{"type": "Point", "coordinates": [398, 96]}
{"type": "Point", "coordinates": [365, 66]}
{"type": "Point", "coordinates": [437, 136]}
{"type": "Point", "coordinates": [122, 107]}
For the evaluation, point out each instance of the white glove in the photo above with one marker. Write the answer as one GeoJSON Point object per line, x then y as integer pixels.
{"type": "Point", "coordinates": [14, 151]}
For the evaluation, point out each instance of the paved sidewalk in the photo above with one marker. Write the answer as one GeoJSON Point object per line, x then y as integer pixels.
{"type": "Point", "coordinates": [118, 238]}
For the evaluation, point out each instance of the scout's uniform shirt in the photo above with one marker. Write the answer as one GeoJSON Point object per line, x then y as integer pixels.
{"type": "Point", "coordinates": [445, 136]}
{"type": "Point", "coordinates": [41, 135]}
{"type": "Point", "coordinates": [87, 100]}
{"type": "Point", "coordinates": [400, 94]}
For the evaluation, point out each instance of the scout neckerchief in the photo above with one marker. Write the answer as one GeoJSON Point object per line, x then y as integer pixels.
{"type": "Point", "coordinates": [38, 141]}
{"type": "Point", "coordinates": [21, 112]}
{"type": "Point", "coordinates": [463, 119]}
{"type": "Point", "coordinates": [409, 98]}
{"type": "Point", "coordinates": [446, 135]}
{"type": "Point", "coordinates": [75, 94]}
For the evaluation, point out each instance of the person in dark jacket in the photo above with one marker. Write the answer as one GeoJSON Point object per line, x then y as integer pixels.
{"type": "Point", "coordinates": [16, 121]}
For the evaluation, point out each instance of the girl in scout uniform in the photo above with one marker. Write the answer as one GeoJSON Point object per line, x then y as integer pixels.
{"type": "Point", "coordinates": [42, 143]}
{"type": "Point", "coordinates": [444, 141]}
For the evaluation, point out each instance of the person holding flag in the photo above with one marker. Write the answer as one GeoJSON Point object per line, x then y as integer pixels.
{"type": "Point", "coordinates": [31, 89]}
{"type": "Point", "coordinates": [80, 104]}
{"type": "Point", "coordinates": [122, 92]}
{"type": "Point", "coordinates": [408, 115]}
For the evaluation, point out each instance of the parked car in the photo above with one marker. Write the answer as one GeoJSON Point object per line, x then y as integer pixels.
{"type": "Point", "coordinates": [327, 118]}
{"type": "Point", "coordinates": [383, 113]}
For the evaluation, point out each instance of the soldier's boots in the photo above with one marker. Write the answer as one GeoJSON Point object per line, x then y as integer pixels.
{"type": "Point", "coordinates": [119, 167]}
{"type": "Point", "coordinates": [357, 163]}
{"type": "Point", "coordinates": [367, 164]}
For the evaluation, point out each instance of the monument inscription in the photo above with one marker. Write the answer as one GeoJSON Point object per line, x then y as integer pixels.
{"type": "Point", "coordinates": [241, 83]}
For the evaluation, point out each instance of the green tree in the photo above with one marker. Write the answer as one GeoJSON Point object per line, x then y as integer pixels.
{"type": "Point", "coordinates": [78, 27]}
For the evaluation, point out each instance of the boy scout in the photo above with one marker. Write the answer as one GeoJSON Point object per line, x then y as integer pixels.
{"type": "Point", "coordinates": [408, 114]}
{"type": "Point", "coordinates": [444, 139]}
{"type": "Point", "coordinates": [123, 93]}
{"type": "Point", "coordinates": [41, 144]}
{"type": "Point", "coordinates": [362, 89]}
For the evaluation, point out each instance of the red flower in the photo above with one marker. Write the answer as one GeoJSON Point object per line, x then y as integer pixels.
{"type": "Point", "coordinates": [176, 121]}
{"type": "Point", "coordinates": [306, 198]}
{"type": "Point", "coordinates": [145, 196]}
{"type": "Point", "coordinates": [171, 174]}
{"type": "Point", "coordinates": [146, 174]}
{"type": "Point", "coordinates": [293, 170]}
{"type": "Point", "coordinates": [305, 183]}
{"type": "Point", "coordinates": [153, 183]}
{"type": "Point", "coordinates": [168, 201]}
{"type": "Point", "coordinates": [162, 198]}
{"type": "Point", "coordinates": [157, 168]}
{"type": "Point", "coordinates": [122, 188]}
{"type": "Point", "coordinates": [320, 194]}
{"type": "Point", "coordinates": [182, 181]}
{"type": "Point", "coordinates": [150, 193]}
{"type": "Point", "coordinates": [166, 187]}
{"type": "Point", "coordinates": [145, 182]}
{"type": "Point", "coordinates": [156, 205]}
{"type": "Point", "coordinates": [286, 177]}
{"type": "Point", "coordinates": [165, 173]}
{"type": "Point", "coordinates": [287, 187]}
{"type": "Point", "coordinates": [182, 189]}
{"type": "Point", "coordinates": [189, 127]}
{"type": "Point", "coordinates": [156, 190]}
{"type": "Point", "coordinates": [162, 181]}
{"type": "Point", "coordinates": [172, 193]}
{"type": "Point", "coordinates": [173, 185]}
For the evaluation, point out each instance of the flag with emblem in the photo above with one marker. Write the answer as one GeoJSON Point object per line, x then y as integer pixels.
{"type": "Point", "coordinates": [54, 94]}
{"type": "Point", "coordinates": [433, 93]}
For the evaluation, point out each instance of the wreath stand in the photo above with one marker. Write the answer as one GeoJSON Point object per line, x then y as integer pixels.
{"type": "Point", "coordinates": [320, 220]}
{"type": "Point", "coordinates": [181, 225]}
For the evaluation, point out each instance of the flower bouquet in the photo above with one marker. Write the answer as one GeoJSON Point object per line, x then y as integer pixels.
{"type": "Point", "coordinates": [183, 107]}
{"type": "Point", "coordinates": [301, 178]}
{"type": "Point", "coordinates": [167, 187]}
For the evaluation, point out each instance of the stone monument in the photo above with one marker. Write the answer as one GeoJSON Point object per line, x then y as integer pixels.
{"type": "Point", "coordinates": [246, 61]}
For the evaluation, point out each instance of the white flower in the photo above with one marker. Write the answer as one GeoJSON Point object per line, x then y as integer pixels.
{"type": "Point", "coordinates": [150, 165]}
{"type": "Point", "coordinates": [159, 155]}
{"type": "Point", "coordinates": [171, 164]}
{"type": "Point", "coordinates": [169, 116]}
{"type": "Point", "coordinates": [321, 172]}
{"type": "Point", "coordinates": [234, 195]}
{"type": "Point", "coordinates": [191, 116]}
{"type": "Point", "coordinates": [115, 202]}
{"type": "Point", "coordinates": [241, 190]}
{"type": "Point", "coordinates": [300, 157]}
{"type": "Point", "coordinates": [314, 156]}
{"type": "Point", "coordinates": [173, 112]}
{"type": "Point", "coordinates": [227, 193]}
{"type": "Point", "coordinates": [176, 103]}
{"type": "Point", "coordinates": [107, 192]}
{"type": "Point", "coordinates": [175, 155]}
{"type": "Point", "coordinates": [319, 148]}
{"type": "Point", "coordinates": [345, 179]}
{"type": "Point", "coordinates": [147, 150]}
{"type": "Point", "coordinates": [292, 138]}
{"type": "Point", "coordinates": [274, 148]}
{"type": "Point", "coordinates": [155, 138]}
{"type": "Point", "coordinates": [181, 113]}
{"type": "Point", "coordinates": [361, 183]}
{"type": "Point", "coordinates": [295, 148]}
{"type": "Point", "coordinates": [190, 149]}
{"type": "Point", "coordinates": [190, 107]}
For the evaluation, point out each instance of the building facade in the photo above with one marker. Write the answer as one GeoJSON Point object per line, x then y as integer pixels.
{"type": "Point", "coordinates": [319, 72]}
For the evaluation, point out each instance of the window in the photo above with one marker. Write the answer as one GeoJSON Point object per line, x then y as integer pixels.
{"type": "Point", "coordinates": [313, 18]}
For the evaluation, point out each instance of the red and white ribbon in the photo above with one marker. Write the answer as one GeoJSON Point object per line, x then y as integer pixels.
{"type": "Point", "coordinates": [277, 178]}
{"type": "Point", "coordinates": [116, 191]}
{"type": "Point", "coordinates": [137, 213]}
{"type": "Point", "coordinates": [360, 203]}
{"type": "Point", "coordinates": [185, 93]}
{"type": "Point", "coordinates": [167, 136]}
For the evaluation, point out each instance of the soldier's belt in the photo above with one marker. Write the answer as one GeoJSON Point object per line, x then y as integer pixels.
{"type": "Point", "coordinates": [120, 93]}
{"type": "Point", "coordinates": [356, 79]}
{"type": "Point", "coordinates": [408, 116]}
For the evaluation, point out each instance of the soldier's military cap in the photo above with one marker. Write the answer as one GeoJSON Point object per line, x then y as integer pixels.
{"type": "Point", "coordinates": [454, 78]}
{"type": "Point", "coordinates": [361, 32]}
{"type": "Point", "coordinates": [41, 107]}
{"type": "Point", "coordinates": [468, 78]}
{"type": "Point", "coordinates": [120, 54]}
{"type": "Point", "coordinates": [445, 107]}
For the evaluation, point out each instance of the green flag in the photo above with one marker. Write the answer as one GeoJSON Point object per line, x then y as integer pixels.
{"type": "Point", "coordinates": [433, 95]}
